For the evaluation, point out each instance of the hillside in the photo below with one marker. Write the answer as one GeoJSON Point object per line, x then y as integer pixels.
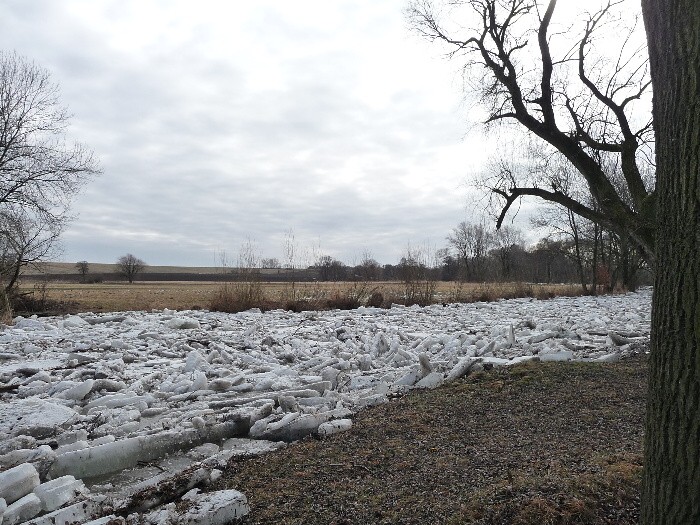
{"type": "Point", "coordinates": [64, 268]}
{"type": "Point", "coordinates": [105, 272]}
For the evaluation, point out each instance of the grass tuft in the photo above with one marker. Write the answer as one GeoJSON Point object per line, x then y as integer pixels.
{"type": "Point", "coordinates": [239, 297]}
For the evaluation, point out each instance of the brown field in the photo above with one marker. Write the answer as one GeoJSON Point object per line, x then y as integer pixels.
{"type": "Point", "coordinates": [62, 297]}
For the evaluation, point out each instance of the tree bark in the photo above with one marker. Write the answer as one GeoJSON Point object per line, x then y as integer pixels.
{"type": "Point", "coordinates": [594, 274]}
{"type": "Point", "coordinates": [671, 486]}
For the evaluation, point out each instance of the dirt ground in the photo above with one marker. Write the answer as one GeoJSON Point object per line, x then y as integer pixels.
{"type": "Point", "coordinates": [542, 443]}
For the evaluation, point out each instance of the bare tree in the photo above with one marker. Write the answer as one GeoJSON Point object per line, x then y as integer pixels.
{"type": "Point", "coordinates": [330, 269]}
{"type": "Point", "coordinates": [83, 267]}
{"type": "Point", "coordinates": [576, 100]}
{"type": "Point", "coordinates": [472, 243]}
{"type": "Point", "coordinates": [449, 264]}
{"type": "Point", "coordinates": [270, 262]}
{"type": "Point", "coordinates": [415, 271]}
{"type": "Point", "coordinates": [290, 250]}
{"type": "Point", "coordinates": [129, 265]}
{"type": "Point", "coordinates": [507, 241]}
{"type": "Point", "coordinates": [552, 255]}
{"type": "Point", "coordinates": [245, 289]}
{"type": "Point", "coordinates": [39, 170]}
{"type": "Point", "coordinates": [25, 239]}
{"type": "Point", "coordinates": [248, 287]}
{"type": "Point", "coordinates": [368, 269]}
{"type": "Point", "coordinates": [564, 225]}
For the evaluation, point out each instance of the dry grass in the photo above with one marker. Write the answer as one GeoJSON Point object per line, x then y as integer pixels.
{"type": "Point", "coordinates": [112, 297]}
{"type": "Point", "coordinates": [186, 295]}
{"type": "Point", "coordinates": [238, 297]}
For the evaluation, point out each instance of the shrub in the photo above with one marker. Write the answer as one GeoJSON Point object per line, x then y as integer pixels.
{"type": "Point", "coordinates": [238, 297]}
{"type": "Point", "coordinates": [342, 302]}
{"type": "Point", "coordinates": [487, 294]}
{"type": "Point", "coordinates": [376, 299]}
{"type": "Point", "coordinates": [36, 301]}
{"type": "Point", "coordinates": [297, 306]}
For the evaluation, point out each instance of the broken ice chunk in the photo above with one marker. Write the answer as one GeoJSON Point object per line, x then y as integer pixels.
{"type": "Point", "coordinates": [57, 492]}
{"type": "Point", "coordinates": [18, 482]}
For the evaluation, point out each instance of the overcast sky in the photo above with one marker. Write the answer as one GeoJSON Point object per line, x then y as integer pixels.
{"type": "Point", "coordinates": [215, 122]}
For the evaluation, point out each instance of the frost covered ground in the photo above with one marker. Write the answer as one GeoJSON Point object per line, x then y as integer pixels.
{"type": "Point", "coordinates": [117, 413]}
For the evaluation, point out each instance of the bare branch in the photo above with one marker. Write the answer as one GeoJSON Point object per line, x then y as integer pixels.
{"type": "Point", "coordinates": [535, 95]}
{"type": "Point", "coordinates": [547, 67]}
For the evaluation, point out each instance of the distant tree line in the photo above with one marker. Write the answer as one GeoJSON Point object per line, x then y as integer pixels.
{"type": "Point", "coordinates": [574, 250]}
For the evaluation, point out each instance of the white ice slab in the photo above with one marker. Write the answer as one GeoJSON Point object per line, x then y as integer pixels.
{"type": "Point", "coordinates": [564, 355]}
{"type": "Point", "coordinates": [333, 427]}
{"type": "Point", "coordinates": [214, 508]}
{"type": "Point", "coordinates": [33, 416]}
{"type": "Point", "coordinates": [17, 482]}
{"type": "Point", "coordinates": [22, 510]}
{"type": "Point", "coordinates": [57, 492]}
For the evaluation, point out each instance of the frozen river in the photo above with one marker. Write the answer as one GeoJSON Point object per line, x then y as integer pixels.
{"type": "Point", "coordinates": [114, 399]}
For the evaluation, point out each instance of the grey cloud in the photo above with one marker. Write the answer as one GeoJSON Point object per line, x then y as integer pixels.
{"type": "Point", "coordinates": [197, 154]}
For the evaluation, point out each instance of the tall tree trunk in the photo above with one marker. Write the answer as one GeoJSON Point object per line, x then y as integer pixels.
{"type": "Point", "coordinates": [577, 251]}
{"type": "Point", "coordinates": [671, 488]}
{"type": "Point", "coordinates": [594, 274]}
{"type": "Point", "coordinates": [14, 276]}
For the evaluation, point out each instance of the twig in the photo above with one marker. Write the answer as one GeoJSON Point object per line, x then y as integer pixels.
{"type": "Point", "coordinates": [362, 466]}
{"type": "Point", "coordinates": [354, 465]}
{"type": "Point", "coordinates": [150, 464]}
